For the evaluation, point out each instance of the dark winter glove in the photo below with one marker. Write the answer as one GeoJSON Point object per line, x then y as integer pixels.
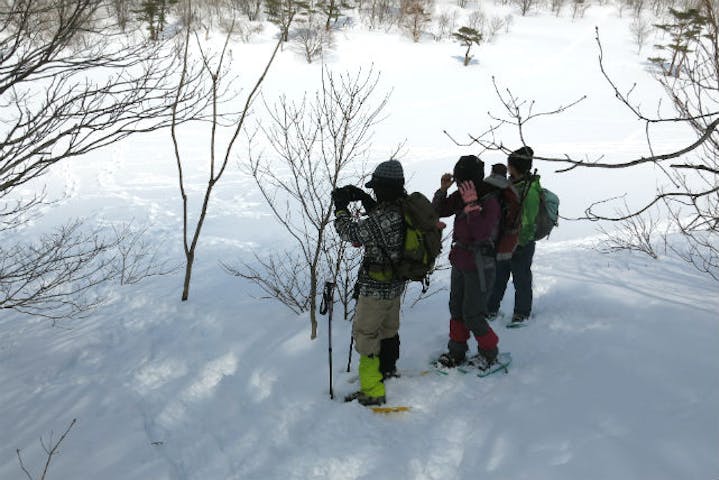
{"type": "Point", "coordinates": [357, 194]}
{"type": "Point", "coordinates": [341, 198]}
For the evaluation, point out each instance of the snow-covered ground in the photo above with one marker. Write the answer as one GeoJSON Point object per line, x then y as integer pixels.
{"type": "Point", "coordinates": [616, 377]}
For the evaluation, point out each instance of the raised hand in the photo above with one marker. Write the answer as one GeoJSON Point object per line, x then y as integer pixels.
{"type": "Point", "coordinates": [468, 192]}
{"type": "Point", "coordinates": [446, 181]}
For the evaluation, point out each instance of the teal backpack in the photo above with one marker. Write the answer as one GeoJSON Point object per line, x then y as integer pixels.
{"type": "Point", "coordinates": [548, 215]}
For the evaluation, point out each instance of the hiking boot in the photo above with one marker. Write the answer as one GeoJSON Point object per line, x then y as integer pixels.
{"type": "Point", "coordinates": [447, 360]}
{"type": "Point", "coordinates": [368, 401]}
{"type": "Point", "coordinates": [365, 399]}
{"type": "Point", "coordinates": [353, 396]}
{"type": "Point", "coordinates": [391, 374]}
{"type": "Point", "coordinates": [492, 316]}
{"type": "Point", "coordinates": [518, 320]}
{"type": "Point", "coordinates": [482, 362]}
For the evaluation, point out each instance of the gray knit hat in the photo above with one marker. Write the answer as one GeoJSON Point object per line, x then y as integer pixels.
{"type": "Point", "coordinates": [388, 174]}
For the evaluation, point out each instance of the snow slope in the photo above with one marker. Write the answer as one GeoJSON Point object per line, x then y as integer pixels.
{"type": "Point", "coordinates": [616, 377]}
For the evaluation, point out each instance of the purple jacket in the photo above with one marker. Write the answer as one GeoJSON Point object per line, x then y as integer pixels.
{"type": "Point", "coordinates": [469, 229]}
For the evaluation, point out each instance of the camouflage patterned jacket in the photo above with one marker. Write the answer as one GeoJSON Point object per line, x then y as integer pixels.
{"type": "Point", "coordinates": [382, 235]}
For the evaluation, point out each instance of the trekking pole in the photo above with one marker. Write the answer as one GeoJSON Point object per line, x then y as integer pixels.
{"type": "Point", "coordinates": [349, 357]}
{"type": "Point", "coordinates": [326, 309]}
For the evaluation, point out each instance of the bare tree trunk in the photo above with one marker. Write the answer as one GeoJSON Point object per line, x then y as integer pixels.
{"type": "Point", "coordinates": [215, 75]}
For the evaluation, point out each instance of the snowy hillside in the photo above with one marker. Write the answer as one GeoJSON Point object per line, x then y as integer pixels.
{"type": "Point", "coordinates": [616, 377]}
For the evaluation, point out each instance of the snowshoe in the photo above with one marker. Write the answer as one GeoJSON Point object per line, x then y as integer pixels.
{"type": "Point", "coordinates": [446, 360]}
{"type": "Point", "coordinates": [518, 321]}
{"type": "Point", "coordinates": [365, 399]}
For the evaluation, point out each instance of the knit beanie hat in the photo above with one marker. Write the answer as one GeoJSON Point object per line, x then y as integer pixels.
{"type": "Point", "coordinates": [469, 167]}
{"type": "Point", "coordinates": [521, 159]}
{"type": "Point", "coordinates": [387, 174]}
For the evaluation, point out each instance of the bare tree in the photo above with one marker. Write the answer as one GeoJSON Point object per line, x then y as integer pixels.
{"type": "Point", "coordinates": [691, 173]}
{"type": "Point", "coordinates": [214, 70]}
{"type": "Point", "coordinates": [315, 142]}
{"type": "Point", "coordinates": [640, 30]}
{"type": "Point", "coordinates": [51, 449]}
{"type": "Point", "coordinates": [311, 33]}
{"type": "Point", "coordinates": [579, 8]}
{"type": "Point", "coordinates": [525, 5]}
{"type": "Point", "coordinates": [70, 83]}
{"type": "Point", "coordinates": [137, 257]}
{"type": "Point", "coordinates": [282, 13]}
{"type": "Point", "coordinates": [556, 6]}
{"type": "Point", "coordinates": [416, 15]}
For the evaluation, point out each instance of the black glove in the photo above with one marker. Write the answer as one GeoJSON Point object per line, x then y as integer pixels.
{"type": "Point", "coordinates": [341, 198]}
{"type": "Point", "coordinates": [357, 194]}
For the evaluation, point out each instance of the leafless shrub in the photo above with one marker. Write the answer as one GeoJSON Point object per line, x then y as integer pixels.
{"type": "Point", "coordinates": [138, 257]}
{"type": "Point", "coordinates": [55, 277]}
{"type": "Point", "coordinates": [477, 19]}
{"type": "Point", "coordinates": [508, 21]}
{"type": "Point", "coordinates": [640, 29]}
{"type": "Point", "coordinates": [446, 23]}
{"type": "Point", "coordinates": [315, 142]}
{"type": "Point", "coordinates": [700, 250]}
{"type": "Point", "coordinates": [636, 234]}
{"type": "Point", "coordinates": [280, 276]}
{"type": "Point", "coordinates": [496, 24]}
{"type": "Point", "coordinates": [51, 449]}
{"type": "Point", "coordinates": [381, 14]}
{"type": "Point", "coordinates": [248, 30]}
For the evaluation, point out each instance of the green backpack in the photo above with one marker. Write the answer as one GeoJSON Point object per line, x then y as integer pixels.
{"type": "Point", "coordinates": [422, 240]}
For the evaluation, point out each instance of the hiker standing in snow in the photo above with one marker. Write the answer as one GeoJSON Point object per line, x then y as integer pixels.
{"type": "Point", "coordinates": [519, 164]}
{"type": "Point", "coordinates": [381, 233]}
{"type": "Point", "coordinates": [476, 213]}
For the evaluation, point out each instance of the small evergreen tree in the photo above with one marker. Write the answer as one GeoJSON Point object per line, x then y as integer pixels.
{"type": "Point", "coordinates": [468, 36]}
{"type": "Point", "coordinates": [154, 13]}
{"type": "Point", "coordinates": [685, 29]}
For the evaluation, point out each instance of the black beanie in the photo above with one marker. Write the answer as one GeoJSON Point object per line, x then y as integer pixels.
{"type": "Point", "coordinates": [469, 167]}
{"type": "Point", "coordinates": [521, 159]}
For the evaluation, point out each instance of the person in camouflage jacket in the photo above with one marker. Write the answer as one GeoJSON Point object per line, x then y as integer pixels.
{"type": "Point", "coordinates": [381, 233]}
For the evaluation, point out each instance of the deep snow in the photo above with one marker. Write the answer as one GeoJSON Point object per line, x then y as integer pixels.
{"type": "Point", "coordinates": [616, 376]}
